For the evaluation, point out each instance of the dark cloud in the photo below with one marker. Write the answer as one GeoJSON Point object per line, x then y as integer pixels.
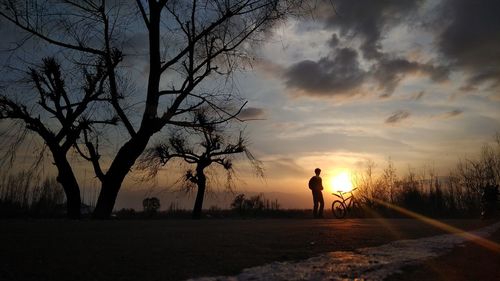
{"type": "Point", "coordinates": [329, 76]}
{"type": "Point", "coordinates": [397, 117]}
{"type": "Point", "coordinates": [342, 74]}
{"type": "Point", "coordinates": [450, 114]}
{"type": "Point", "coordinates": [419, 95]}
{"type": "Point", "coordinates": [334, 41]}
{"type": "Point", "coordinates": [389, 72]}
{"type": "Point", "coordinates": [285, 166]}
{"type": "Point", "coordinates": [470, 40]}
{"type": "Point", "coordinates": [455, 112]}
{"type": "Point", "coordinates": [251, 113]}
{"type": "Point", "coordinates": [368, 19]}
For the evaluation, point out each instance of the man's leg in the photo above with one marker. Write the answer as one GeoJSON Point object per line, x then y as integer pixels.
{"type": "Point", "coordinates": [321, 204]}
{"type": "Point", "coordinates": [315, 201]}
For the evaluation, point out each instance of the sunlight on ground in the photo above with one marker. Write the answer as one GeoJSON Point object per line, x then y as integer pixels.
{"type": "Point", "coordinates": [485, 243]}
{"type": "Point", "coordinates": [341, 182]}
{"type": "Point", "coordinates": [370, 263]}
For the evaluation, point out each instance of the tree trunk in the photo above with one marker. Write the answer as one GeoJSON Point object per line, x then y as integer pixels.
{"type": "Point", "coordinates": [120, 167]}
{"type": "Point", "coordinates": [198, 203]}
{"type": "Point", "coordinates": [130, 151]}
{"type": "Point", "coordinates": [67, 179]}
{"type": "Point", "coordinates": [107, 198]}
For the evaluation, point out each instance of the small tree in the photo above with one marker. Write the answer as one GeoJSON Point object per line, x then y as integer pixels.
{"type": "Point", "coordinates": [201, 147]}
{"type": "Point", "coordinates": [151, 205]}
{"type": "Point", "coordinates": [238, 203]}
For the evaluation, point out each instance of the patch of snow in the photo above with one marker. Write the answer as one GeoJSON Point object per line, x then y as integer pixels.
{"type": "Point", "coordinates": [373, 263]}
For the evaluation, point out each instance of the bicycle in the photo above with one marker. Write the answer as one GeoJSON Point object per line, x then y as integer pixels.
{"type": "Point", "coordinates": [345, 204]}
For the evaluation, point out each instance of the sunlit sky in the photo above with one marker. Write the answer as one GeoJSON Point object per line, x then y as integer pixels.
{"type": "Point", "coordinates": [414, 81]}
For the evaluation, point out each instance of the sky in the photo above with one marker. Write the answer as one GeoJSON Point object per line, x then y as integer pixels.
{"type": "Point", "coordinates": [416, 82]}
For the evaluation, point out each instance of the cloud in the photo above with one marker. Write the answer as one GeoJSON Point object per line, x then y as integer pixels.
{"type": "Point", "coordinates": [389, 72]}
{"type": "Point", "coordinates": [363, 23]}
{"type": "Point", "coordinates": [470, 39]}
{"type": "Point", "coordinates": [450, 114]}
{"type": "Point", "coordinates": [367, 20]}
{"type": "Point", "coordinates": [284, 167]}
{"type": "Point", "coordinates": [455, 112]}
{"type": "Point", "coordinates": [342, 74]}
{"type": "Point", "coordinates": [315, 143]}
{"type": "Point", "coordinates": [418, 96]}
{"type": "Point", "coordinates": [334, 41]}
{"type": "Point", "coordinates": [269, 68]}
{"type": "Point", "coordinates": [397, 117]}
{"type": "Point", "coordinates": [251, 113]}
{"type": "Point", "coordinates": [337, 74]}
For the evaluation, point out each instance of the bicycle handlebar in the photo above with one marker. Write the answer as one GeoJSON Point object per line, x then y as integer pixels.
{"type": "Point", "coordinates": [344, 192]}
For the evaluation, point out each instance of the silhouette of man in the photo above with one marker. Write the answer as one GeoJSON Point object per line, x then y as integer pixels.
{"type": "Point", "coordinates": [316, 186]}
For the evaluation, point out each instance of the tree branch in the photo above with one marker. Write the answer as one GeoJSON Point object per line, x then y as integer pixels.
{"type": "Point", "coordinates": [112, 58]}
{"type": "Point", "coordinates": [143, 13]}
{"type": "Point", "coordinates": [34, 32]}
{"type": "Point", "coordinates": [94, 155]}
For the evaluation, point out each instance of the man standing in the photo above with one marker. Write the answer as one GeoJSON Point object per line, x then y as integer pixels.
{"type": "Point", "coordinates": [316, 186]}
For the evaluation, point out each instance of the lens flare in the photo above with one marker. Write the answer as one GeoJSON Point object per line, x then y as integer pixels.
{"type": "Point", "coordinates": [481, 241]}
{"type": "Point", "coordinates": [341, 182]}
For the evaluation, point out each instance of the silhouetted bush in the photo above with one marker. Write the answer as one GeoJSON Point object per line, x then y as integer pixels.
{"type": "Point", "coordinates": [126, 213]}
{"type": "Point", "coordinates": [151, 205]}
{"type": "Point", "coordinates": [253, 206]}
{"type": "Point", "coordinates": [22, 194]}
{"type": "Point", "coordinates": [461, 193]}
{"type": "Point", "coordinates": [48, 199]}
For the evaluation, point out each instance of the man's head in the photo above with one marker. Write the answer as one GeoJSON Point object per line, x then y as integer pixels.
{"type": "Point", "coordinates": [317, 171]}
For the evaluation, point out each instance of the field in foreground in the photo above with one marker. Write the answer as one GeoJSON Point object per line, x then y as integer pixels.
{"type": "Point", "coordinates": [180, 249]}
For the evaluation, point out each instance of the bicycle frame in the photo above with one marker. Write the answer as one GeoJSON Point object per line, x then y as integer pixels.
{"type": "Point", "coordinates": [341, 207]}
{"type": "Point", "coordinates": [345, 199]}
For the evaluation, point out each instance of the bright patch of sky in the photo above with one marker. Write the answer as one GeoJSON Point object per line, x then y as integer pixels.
{"type": "Point", "coordinates": [425, 120]}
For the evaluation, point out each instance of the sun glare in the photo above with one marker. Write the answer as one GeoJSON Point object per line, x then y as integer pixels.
{"type": "Point", "coordinates": [341, 182]}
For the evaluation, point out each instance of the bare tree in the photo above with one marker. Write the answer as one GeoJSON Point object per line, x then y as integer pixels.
{"type": "Point", "coordinates": [65, 117]}
{"type": "Point", "coordinates": [201, 147]}
{"type": "Point", "coordinates": [188, 43]}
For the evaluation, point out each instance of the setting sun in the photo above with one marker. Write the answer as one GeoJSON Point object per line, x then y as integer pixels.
{"type": "Point", "coordinates": [341, 182]}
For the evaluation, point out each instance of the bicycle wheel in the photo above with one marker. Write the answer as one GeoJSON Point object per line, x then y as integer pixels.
{"type": "Point", "coordinates": [338, 209]}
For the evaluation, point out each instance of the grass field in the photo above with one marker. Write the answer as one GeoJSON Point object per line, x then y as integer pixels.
{"type": "Point", "coordinates": [180, 249]}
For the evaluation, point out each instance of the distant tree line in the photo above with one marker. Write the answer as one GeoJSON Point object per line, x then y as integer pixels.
{"type": "Point", "coordinates": [241, 207]}
{"type": "Point", "coordinates": [254, 205]}
{"type": "Point", "coordinates": [463, 192]}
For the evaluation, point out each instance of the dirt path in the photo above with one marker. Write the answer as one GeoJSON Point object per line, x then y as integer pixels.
{"type": "Point", "coordinates": [176, 250]}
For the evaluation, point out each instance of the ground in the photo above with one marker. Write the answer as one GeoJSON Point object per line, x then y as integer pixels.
{"type": "Point", "coordinates": [180, 249]}
{"type": "Point", "coordinates": [470, 262]}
